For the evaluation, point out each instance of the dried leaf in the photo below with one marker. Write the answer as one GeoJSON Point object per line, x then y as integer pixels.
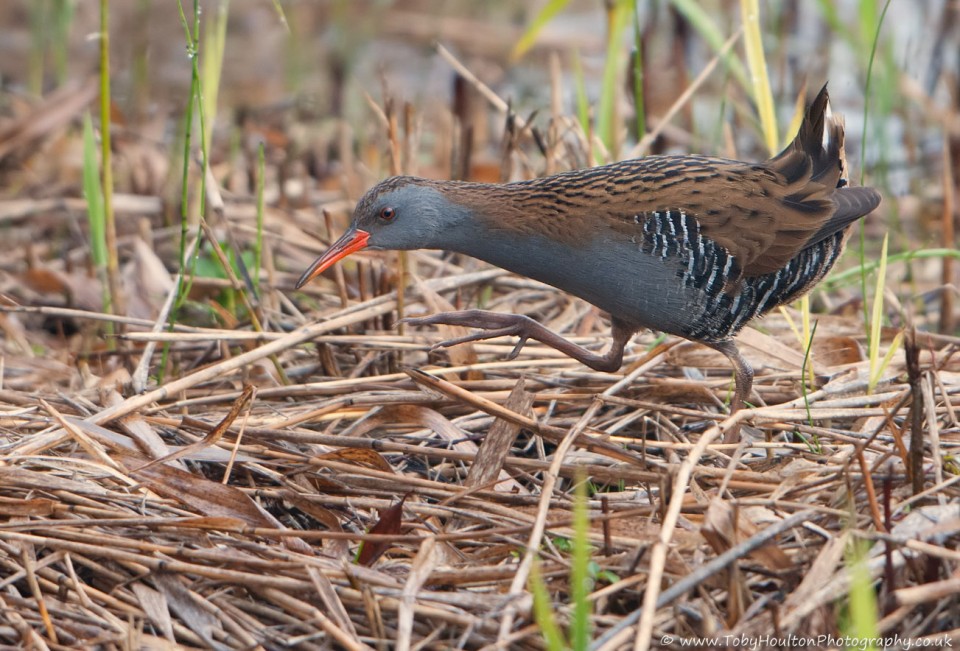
{"type": "Point", "coordinates": [214, 435]}
{"type": "Point", "coordinates": [154, 604]}
{"type": "Point", "coordinates": [191, 608]}
{"type": "Point", "coordinates": [497, 444]}
{"type": "Point", "coordinates": [390, 523]}
{"type": "Point", "coordinates": [333, 547]}
{"type": "Point", "coordinates": [392, 415]}
{"type": "Point", "coordinates": [722, 532]}
{"type": "Point", "coordinates": [837, 351]}
{"type": "Point", "coordinates": [359, 457]}
{"type": "Point", "coordinates": [44, 280]}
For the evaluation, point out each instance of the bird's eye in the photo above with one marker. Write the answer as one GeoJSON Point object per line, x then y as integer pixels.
{"type": "Point", "coordinates": [387, 213]}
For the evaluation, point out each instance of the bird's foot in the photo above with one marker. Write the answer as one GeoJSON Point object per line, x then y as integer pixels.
{"type": "Point", "coordinates": [491, 324]}
{"type": "Point", "coordinates": [494, 324]}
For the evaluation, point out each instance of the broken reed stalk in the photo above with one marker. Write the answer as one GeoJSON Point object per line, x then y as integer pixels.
{"type": "Point", "coordinates": [912, 358]}
{"type": "Point", "coordinates": [396, 168]}
{"type": "Point", "coordinates": [951, 185]}
{"type": "Point", "coordinates": [338, 274]}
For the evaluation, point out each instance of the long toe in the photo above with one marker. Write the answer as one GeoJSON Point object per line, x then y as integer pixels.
{"type": "Point", "coordinates": [474, 319]}
{"type": "Point", "coordinates": [477, 336]}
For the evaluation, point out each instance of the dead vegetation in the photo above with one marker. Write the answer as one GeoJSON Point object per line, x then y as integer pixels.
{"type": "Point", "coordinates": [279, 469]}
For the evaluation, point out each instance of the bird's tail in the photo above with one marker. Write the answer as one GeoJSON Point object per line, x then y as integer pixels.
{"type": "Point", "coordinates": [815, 163]}
{"type": "Point", "coordinates": [817, 150]}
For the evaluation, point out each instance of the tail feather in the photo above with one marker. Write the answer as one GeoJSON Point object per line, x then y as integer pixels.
{"type": "Point", "coordinates": [816, 162]}
{"type": "Point", "coordinates": [850, 204]}
{"type": "Point", "coordinates": [816, 153]}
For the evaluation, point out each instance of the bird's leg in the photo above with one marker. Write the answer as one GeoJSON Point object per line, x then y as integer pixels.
{"type": "Point", "coordinates": [742, 372]}
{"type": "Point", "coordinates": [494, 324]}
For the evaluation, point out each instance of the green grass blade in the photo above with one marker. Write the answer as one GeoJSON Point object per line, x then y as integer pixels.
{"type": "Point", "coordinates": [62, 20]}
{"type": "Point", "coordinates": [799, 110]}
{"type": "Point", "coordinates": [863, 614]}
{"type": "Point", "coordinates": [281, 15]}
{"type": "Point", "coordinates": [867, 18]}
{"type": "Point", "coordinates": [891, 352]}
{"type": "Point", "coordinates": [580, 580]}
{"type": "Point", "coordinates": [115, 302]}
{"type": "Point", "coordinates": [543, 610]}
{"type": "Point", "coordinates": [863, 146]}
{"type": "Point", "coordinates": [191, 32]}
{"type": "Point", "coordinates": [214, 45]}
{"type": "Point", "coordinates": [93, 193]}
{"type": "Point", "coordinates": [866, 89]}
{"type": "Point", "coordinates": [182, 289]}
{"type": "Point", "coordinates": [529, 37]}
{"type": "Point", "coordinates": [638, 102]}
{"type": "Point", "coordinates": [194, 104]}
{"type": "Point", "coordinates": [258, 245]}
{"type": "Point", "coordinates": [806, 368]}
{"type": "Point", "coordinates": [607, 110]}
{"type": "Point", "coordinates": [759, 82]}
{"type": "Point", "coordinates": [865, 268]}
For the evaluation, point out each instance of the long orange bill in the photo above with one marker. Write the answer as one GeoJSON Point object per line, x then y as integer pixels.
{"type": "Point", "coordinates": [351, 242]}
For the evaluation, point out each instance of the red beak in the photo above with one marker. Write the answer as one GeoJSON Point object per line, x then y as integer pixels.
{"type": "Point", "coordinates": [351, 241]}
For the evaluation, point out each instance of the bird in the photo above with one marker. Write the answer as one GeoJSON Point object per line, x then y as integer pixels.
{"type": "Point", "coordinates": [690, 245]}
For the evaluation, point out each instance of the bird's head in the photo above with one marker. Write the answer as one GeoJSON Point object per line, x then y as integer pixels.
{"type": "Point", "coordinates": [402, 212]}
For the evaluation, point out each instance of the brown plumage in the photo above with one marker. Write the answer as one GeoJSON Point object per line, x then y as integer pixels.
{"type": "Point", "coordinates": [691, 245]}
